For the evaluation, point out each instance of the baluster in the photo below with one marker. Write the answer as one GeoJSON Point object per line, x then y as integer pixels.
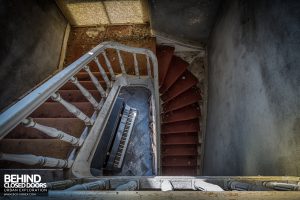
{"type": "Point", "coordinates": [136, 67]}
{"type": "Point", "coordinates": [103, 73]}
{"type": "Point", "coordinates": [29, 159]}
{"type": "Point", "coordinates": [72, 109]}
{"type": "Point", "coordinates": [121, 62]}
{"type": "Point", "coordinates": [85, 93]}
{"type": "Point", "coordinates": [61, 185]}
{"type": "Point", "coordinates": [108, 64]}
{"type": "Point", "coordinates": [52, 132]}
{"type": "Point", "coordinates": [130, 186]}
{"type": "Point", "coordinates": [96, 185]}
{"type": "Point", "coordinates": [95, 81]}
{"type": "Point", "coordinates": [101, 104]}
{"type": "Point", "coordinates": [148, 66]}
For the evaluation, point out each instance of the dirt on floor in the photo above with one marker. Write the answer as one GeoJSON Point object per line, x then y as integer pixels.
{"type": "Point", "coordinates": [83, 39]}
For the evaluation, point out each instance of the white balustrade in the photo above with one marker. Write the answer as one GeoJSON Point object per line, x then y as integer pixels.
{"type": "Point", "coordinates": [121, 62]}
{"type": "Point", "coordinates": [136, 67]}
{"type": "Point", "coordinates": [72, 109]}
{"type": "Point", "coordinates": [95, 82]}
{"type": "Point", "coordinates": [148, 66]}
{"type": "Point", "coordinates": [103, 73]}
{"type": "Point", "coordinates": [60, 185]}
{"type": "Point", "coordinates": [108, 64]}
{"type": "Point", "coordinates": [130, 186]}
{"type": "Point", "coordinates": [29, 159]}
{"type": "Point", "coordinates": [96, 185]}
{"type": "Point", "coordinates": [52, 132]}
{"type": "Point", "coordinates": [85, 92]}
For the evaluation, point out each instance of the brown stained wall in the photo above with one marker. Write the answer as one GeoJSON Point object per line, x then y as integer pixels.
{"type": "Point", "coordinates": [83, 39]}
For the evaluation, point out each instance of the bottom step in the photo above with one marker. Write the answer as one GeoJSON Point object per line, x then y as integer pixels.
{"type": "Point", "coordinates": [179, 150]}
{"type": "Point", "coordinates": [179, 171]}
{"type": "Point", "coordinates": [179, 161]}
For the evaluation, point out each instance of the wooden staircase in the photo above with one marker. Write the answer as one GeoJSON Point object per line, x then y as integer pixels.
{"type": "Point", "coordinates": [180, 115]}
{"type": "Point", "coordinates": [29, 140]}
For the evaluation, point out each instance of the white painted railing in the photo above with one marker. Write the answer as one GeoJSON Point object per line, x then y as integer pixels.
{"type": "Point", "coordinates": [19, 112]}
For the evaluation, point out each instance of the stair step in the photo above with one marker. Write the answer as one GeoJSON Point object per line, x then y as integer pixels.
{"type": "Point", "coordinates": [183, 83]}
{"type": "Point", "coordinates": [86, 84]}
{"type": "Point", "coordinates": [182, 114]}
{"type": "Point", "coordinates": [71, 126]}
{"type": "Point", "coordinates": [42, 147]}
{"type": "Point", "coordinates": [179, 150]}
{"type": "Point", "coordinates": [190, 96]}
{"type": "Point", "coordinates": [77, 96]}
{"type": "Point", "coordinates": [176, 69]}
{"type": "Point", "coordinates": [182, 138]}
{"type": "Point", "coordinates": [181, 127]}
{"type": "Point", "coordinates": [179, 171]}
{"type": "Point", "coordinates": [164, 56]}
{"type": "Point", "coordinates": [84, 76]}
{"type": "Point", "coordinates": [176, 161]}
{"type": "Point", "coordinates": [57, 110]}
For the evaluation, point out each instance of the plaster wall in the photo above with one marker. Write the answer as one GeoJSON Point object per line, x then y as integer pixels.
{"type": "Point", "coordinates": [31, 38]}
{"type": "Point", "coordinates": [253, 125]}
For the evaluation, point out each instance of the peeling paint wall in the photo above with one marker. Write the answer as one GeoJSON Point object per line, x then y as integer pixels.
{"type": "Point", "coordinates": [253, 125]}
{"type": "Point", "coordinates": [31, 38]}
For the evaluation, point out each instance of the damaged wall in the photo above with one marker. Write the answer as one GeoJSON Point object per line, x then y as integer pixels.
{"type": "Point", "coordinates": [189, 22]}
{"type": "Point", "coordinates": [253, 125]}
{"type": "Point", "coordinates": [31, 37]}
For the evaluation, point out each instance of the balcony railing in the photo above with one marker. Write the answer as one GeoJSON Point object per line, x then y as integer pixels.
{"type": "Point", "coordinates": [19, 112]}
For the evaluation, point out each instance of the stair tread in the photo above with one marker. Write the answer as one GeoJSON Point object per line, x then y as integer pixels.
{"type": "Point", "coordinates": [176, 161]}
{"type": "Point", "coordinates": [164, 55]}
{"type": "Point", "coordinates": [71, 126]}
{"type": "Point", "coordinates": [89, 85]}
{"type": "Point", "coordinates": [179, 170]}
{"type": "Point", "coordinates": [176, 69]}
{"type": "Point", "coordinates": [182, 114]}
{"type": "Point", "coordinates": [77, 96]}
{"type": "Point", "coordinates": [84, 76]}
{"type": "Point", "coordinates": [41, 147]}
{"type": "Point", "coordinates": [181, 127]}
{"type": "Point", "coordinates": [179, 150]}
{"type": "Point", "coordinates": [56, 110]}
{"type": "Point", "coordinates": [188, 97]}
{"type": "Point", "coordinates": [183, 138]}
{"type": "Point", "coordinates": [183, 83]}
{"type": "Point", "coordinates": [44, 147]}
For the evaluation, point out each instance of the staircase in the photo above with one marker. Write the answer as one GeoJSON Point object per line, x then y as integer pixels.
{"type": "Point", "coordinates": [27, 140]}
{"type": "Point", "coordinates": [180, 111]}
{"type": "Point", "coordinates": [180, 115]}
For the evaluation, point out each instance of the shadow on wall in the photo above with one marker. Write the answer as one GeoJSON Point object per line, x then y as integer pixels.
{"type": "Point", "coordinates": [31, 42]}
{"type": "Point", "coordinates": [186, 21]}
{"type": "Point", "coordinates": [254, 90]}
